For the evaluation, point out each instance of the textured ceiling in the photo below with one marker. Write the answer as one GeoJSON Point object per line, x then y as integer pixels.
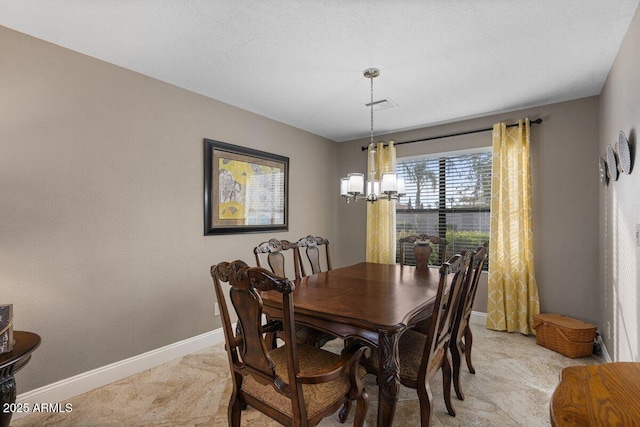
{"type": "Point", "coordinates": [301, 61]}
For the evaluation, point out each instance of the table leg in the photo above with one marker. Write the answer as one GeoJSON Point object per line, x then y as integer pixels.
{"type": "Point", "coordinates": [389, 377]}
{"type": "Point", "coordinates": [7, 397]}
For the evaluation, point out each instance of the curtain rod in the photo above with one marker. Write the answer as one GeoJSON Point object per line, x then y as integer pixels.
{"type": "Point", "coordinates": [536, 121]}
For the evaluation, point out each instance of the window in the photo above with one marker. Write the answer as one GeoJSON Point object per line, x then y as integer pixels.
{"type": "Point", "coordinates": [447, 196]}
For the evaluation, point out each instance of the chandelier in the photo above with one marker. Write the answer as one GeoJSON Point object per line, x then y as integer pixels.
{"type": "Point", "coordinates": [353, 186]}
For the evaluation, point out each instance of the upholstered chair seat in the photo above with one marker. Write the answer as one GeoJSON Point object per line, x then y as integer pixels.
{"type": "Point", "coordinates": [316, 396]}
{"type": "Point", "coordinates": [411, 348]}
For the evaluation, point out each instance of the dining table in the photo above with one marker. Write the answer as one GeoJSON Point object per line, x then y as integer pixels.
{"type": "Point", "coordinates": [372, 302]}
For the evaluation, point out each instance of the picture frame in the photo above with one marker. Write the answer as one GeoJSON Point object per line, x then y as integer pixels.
{"type": "Point", "coordinates": [245, 190]}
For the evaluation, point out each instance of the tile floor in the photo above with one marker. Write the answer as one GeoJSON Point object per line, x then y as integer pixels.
{"type": "Point", "coordinates": [512, 386]}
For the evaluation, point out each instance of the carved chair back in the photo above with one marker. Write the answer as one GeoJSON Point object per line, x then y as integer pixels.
{"type": "Point", "coordinates": [277, 253]}
{"type": "Point", "coordinates": [478, 260]}
{"type": "Point", "coordinates": [452, 274]}
{"type": "Point", "coordinates": [434, 353]}
{"type": "Point", "coordinates": [275, 250]}
{"type": "Point", "coordinates": [461, 328]}
{"type": "Point", "coordinates": [311, 247]}
{"type": "Point", "coordinates": [422, 248]}
{"type": "Point", "coordinates": [422, 356]}
{"type": "Point", "coordinates": [247, 350]}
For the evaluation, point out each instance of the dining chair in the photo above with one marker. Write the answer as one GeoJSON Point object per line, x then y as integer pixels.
{"type": "Point", "coordinates": [310, 246]}
{"type": "Point", "coordinates": [422, 356]}
{"type": "Point", "coordinates": [422, 248]}
{"type": "Point", "coordinates": [461, 329]}
{"type": "Point", "coordinates": [277, 252]}
{"type": "Point", "coordinates": [296, 385]}
{"type": "Point", "coordinates": [274, 250]}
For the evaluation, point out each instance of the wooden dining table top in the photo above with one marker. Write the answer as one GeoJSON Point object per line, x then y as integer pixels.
{"type": "Point", "coordinates": [367, 295]}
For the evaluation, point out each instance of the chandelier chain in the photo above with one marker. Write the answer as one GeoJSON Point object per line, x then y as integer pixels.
{"type": "Point", "coordinates": [371, 107]}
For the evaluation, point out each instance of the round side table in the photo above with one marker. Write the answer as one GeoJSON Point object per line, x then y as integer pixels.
{"type": "Point", "coordinates": [10, 363]}
{"type": "Point", "coordinates": [597, 395]}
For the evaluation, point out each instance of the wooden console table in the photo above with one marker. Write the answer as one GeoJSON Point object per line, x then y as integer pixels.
{"type": "Point", "coordinates": [10, 363]}
{"type": "Point", "coordinates": [597, 395]}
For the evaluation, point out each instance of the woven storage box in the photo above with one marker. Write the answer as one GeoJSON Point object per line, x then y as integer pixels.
{"type": "Point", "coordinates": [570, 337]}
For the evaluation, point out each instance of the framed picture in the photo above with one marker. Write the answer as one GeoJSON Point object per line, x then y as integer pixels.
{"type": "Point", "coordinates": [245, 190]}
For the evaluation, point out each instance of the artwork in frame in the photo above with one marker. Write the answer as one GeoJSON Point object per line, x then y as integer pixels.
{"type": "Point", "coordinates": [245, 190]}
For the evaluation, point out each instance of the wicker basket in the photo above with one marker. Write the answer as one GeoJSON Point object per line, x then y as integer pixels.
{"type": "Point", "coordinates": [570, 337]}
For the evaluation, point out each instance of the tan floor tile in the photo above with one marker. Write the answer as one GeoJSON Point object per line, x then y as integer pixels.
{"type": "Point", "coordinates": [512, 387]}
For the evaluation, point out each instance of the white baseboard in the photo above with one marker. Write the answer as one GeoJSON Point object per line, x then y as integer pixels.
{"type": "Point", "coordinates": [82, 383]}
{"type": "Point", "coordinates": [478, 318]}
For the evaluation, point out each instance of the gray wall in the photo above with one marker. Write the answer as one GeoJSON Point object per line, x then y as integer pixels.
{"type": "Point", "coordinates": [102, 250]}
{"type": "Point", "coordinates": [619, 206]}
{"type": "Point", "coordinates": [565, 196]}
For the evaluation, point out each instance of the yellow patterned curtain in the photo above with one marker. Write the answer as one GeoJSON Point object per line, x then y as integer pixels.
{"type": "Point", "coordinates": [381, 215]}
{"type": "Point", "coordinates": [513, 292]}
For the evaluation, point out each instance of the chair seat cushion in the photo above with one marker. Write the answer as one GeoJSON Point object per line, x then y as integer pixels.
{"type": "Point", "coordinates": [411, 349]}
{"type": "Point", "coordinates": [317, 396]}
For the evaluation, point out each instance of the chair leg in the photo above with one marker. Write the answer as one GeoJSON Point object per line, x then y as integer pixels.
{"type": "Point", "coordinates": [344, 412]}
{"type": "Point", "coordinates": [446, 384]}
{"type": "Point", "coordinates": [235, 410]}
{"type": "Point", "coordinates": [425, 397]}
{"type": "Point", "coordinates": [362, 405]}
{"type": "Point", "coordinates": [468, 341]}
{"type": "Point", "coordinates": [456, 362]}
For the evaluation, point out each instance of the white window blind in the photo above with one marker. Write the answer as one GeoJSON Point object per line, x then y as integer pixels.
{"type": "Point", "coordinates": [447, 196]}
